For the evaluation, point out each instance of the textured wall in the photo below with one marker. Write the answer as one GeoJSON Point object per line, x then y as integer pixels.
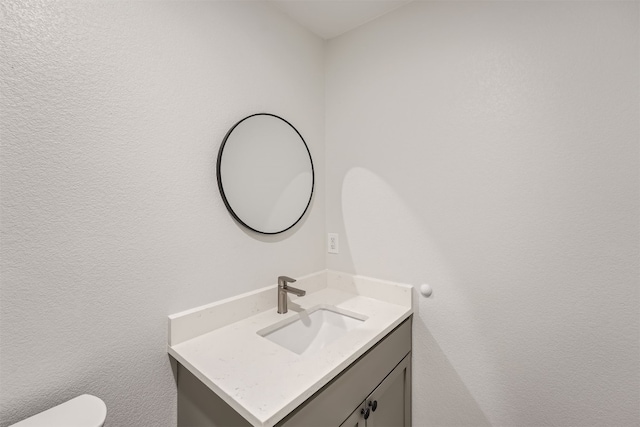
{"type": "Point", "coordinates": [111, 117]}
{"type": "Point", "coordinates": [491, 149]}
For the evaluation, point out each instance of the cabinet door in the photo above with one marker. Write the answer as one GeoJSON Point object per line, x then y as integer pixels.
{"type": "Point", "coordinates": [390, 402]}
{"type": "Point", "coordinates": [356, 419]}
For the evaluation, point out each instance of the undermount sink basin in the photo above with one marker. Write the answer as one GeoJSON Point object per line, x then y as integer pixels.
{"type": "Point", "coordinates": [312, 330]}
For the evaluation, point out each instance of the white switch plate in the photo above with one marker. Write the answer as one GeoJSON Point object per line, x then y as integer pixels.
{"type": "Point", "coordinates": [332, 243]}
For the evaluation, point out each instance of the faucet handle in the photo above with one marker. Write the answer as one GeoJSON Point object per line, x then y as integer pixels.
{"type": "Point", "coordinates": [283, 280]}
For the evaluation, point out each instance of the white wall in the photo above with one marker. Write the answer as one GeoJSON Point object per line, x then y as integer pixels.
{"type": "Point", "coordinates": [111, 117]}
{"type": "Point", "coordinates": [491, 150]}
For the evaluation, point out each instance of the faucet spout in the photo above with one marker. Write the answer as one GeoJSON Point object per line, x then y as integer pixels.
{"type": "Point", "coordinates": [283, 289]}
{"type": "Point", "coordinates": [295, 291]}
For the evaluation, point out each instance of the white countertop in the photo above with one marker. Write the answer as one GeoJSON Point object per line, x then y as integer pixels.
{"type": "Point", "coordinates": [261, 380]}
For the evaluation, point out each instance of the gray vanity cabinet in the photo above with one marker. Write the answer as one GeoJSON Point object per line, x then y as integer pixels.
{"type": "Point", "coordinates": [389, 404]}
{"type": "Point", "coordinates": [379, 379]}
{"type": "Point", "coordinates": [391, 399]}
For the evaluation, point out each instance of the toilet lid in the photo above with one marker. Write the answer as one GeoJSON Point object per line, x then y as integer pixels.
{"type": "Point", "coordinates": [82, 411]}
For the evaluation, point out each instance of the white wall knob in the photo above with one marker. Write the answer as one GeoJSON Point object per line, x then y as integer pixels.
{"type": "Point", "coordinates": [426, 290]}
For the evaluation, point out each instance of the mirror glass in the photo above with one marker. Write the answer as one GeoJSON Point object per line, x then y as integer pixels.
{"type": "Point", "coordinates": [265, 173]}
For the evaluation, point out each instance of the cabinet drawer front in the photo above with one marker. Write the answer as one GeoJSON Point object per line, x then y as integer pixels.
{"type": "Point", "coordinates": [331, 405]}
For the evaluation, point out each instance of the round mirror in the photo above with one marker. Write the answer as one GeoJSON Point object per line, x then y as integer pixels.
{"type": "Point", "coordinates": [265, 173]}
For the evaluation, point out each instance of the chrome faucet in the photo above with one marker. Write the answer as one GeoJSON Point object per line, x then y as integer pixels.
{"type": "Point", "coordinates": [283, 289]}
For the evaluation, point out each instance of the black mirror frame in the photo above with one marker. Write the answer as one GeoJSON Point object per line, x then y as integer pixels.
{"type": "Point", "coordinates": [219, 178]}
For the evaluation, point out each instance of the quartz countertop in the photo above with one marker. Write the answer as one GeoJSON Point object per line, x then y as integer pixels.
{"type": "Point", "coordinates": [262, 381]}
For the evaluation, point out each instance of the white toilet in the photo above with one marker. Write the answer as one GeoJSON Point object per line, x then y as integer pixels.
{"type": "Point", "coordinates": [82, 411]}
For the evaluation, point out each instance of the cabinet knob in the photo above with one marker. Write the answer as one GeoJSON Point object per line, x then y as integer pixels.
{"type": "Point", "coordinates": [374, 405]}
{"type": "Point", "coordinates": [365, 412]}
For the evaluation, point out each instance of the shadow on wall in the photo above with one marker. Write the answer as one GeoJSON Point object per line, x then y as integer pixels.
{"type": "Point", "coordinates": [441, 397]}
{"type": "Point", "coordinates": [386, 239]}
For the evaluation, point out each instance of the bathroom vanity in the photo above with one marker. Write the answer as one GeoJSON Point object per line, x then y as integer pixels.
{"type": "Point", "coordinates": [340, 356]}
